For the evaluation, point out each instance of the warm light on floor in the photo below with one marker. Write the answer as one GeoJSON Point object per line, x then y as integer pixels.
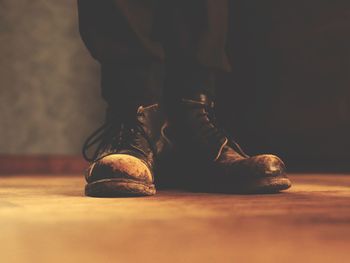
{"type": "Point", "coordinates": [47, 219]}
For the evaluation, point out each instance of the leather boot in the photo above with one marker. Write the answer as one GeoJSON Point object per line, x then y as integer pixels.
{"type": "Point", "coordinates": [125, 159]}
{"type": "Point", "coordinates": [193, 129]}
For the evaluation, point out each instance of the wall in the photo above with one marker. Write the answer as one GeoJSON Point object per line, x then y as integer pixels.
{"type": "Point", "coordinates": [49, 86]}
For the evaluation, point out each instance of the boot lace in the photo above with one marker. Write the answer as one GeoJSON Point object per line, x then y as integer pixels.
{"type": "Point", "coordinates": [210, 114]}
{"type": "Point", "coordinates": [113, 136]}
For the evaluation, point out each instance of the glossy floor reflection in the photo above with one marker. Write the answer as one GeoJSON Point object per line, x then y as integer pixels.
{"type": "Point", "coordinates": [47, 219]}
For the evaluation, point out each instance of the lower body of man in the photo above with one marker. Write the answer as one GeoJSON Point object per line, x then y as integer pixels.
{"type": "Point", "coordinates": [137, 42]}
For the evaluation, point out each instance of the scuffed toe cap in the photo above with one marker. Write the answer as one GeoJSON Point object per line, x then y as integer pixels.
{"type": "Point", "coordinates": [267, 165]}
{"type": "Point", "coordinates": [119, 166]}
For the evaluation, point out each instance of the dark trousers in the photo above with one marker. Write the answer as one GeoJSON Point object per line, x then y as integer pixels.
{"type": "Point", "coordinates": [136, 41]}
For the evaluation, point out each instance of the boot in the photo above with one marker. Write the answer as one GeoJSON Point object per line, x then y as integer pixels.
{"type": "Point", "coordinates": [220, 163]}
{"type": "Point", "coordinates": [124, 162]}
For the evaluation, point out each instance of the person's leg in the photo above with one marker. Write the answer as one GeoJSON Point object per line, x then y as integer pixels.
{"type": "Point", "coordinates": [195, 42]}
{"type": "Point", "coordinates": [118, 35]}
{"type": "Point", "coordinates": [195, 56]}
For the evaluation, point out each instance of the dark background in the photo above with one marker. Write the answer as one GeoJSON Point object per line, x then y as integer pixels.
{"type": "Point", "coordinates": [289, 92]}
{"type": "Point", "coordinates": [290, 87]}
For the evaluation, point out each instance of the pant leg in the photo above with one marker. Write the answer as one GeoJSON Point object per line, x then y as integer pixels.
{"type": "Point", "coordinates": [119, 30]}
{"type": "Point", "coordinates": [195, 40]}
{"type": "Point", "coordinates": [118, 34]}
{"type": "Point", "coordinates": [196, 30]}
{"type": "Point", "coordinates": [125, 36]}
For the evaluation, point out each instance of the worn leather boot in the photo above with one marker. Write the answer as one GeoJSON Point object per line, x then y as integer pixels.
{"type": "Point", "coordinates": [125, 159]}
{"type": "Point", "coordinates": [221, 165]}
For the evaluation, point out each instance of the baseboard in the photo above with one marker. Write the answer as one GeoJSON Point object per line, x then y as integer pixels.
{"type": "Point", "coordinates": [65, 164]}
{"type": "Point", "coordinates": [41, 164]}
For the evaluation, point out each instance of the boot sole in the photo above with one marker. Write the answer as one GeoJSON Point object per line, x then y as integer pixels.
{"type": "Point", "coordinates": [116, 187]}
{"type": "Point", "coordinates": [268, 185]}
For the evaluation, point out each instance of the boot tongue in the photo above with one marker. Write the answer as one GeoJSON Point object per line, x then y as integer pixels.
{"type": "Point", "coordinates": [200, 126]}
{"type": "Point", "coordinates": [152, 120]}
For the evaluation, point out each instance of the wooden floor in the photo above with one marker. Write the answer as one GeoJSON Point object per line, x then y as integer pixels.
{"type": "Point", "coordinates": [47, 219]}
